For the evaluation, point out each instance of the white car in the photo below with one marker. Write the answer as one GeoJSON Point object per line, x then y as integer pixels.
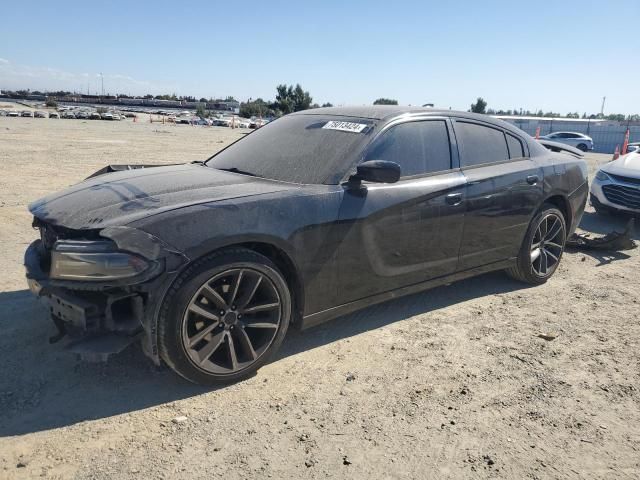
{"type": "Point", "coordinates": [616, 186]}
{"type": "Point", "coordinates": [633, 147]}
{"type": "Point", "coordinates": [575, 139]}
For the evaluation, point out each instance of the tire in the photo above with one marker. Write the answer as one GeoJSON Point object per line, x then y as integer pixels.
{"type": "Point", "coordinates": [529, 267]}
{"type": "Point", "coordinates": [224, 317]}
{"type": "Point", "coordinates": [582, 147]}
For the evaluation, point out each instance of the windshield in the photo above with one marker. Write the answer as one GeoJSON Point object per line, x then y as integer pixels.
{"type": "Point", "coordinates": [298, 148]}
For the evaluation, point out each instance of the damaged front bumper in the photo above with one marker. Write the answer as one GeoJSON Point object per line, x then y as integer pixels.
{"type": "Point", "coordinates": [101, 318]}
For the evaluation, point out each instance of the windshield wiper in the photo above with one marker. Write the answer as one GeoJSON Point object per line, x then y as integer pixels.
{"type": "Point", "coordinates": [237, 170]}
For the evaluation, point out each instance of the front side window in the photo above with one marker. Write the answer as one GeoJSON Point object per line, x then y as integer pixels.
{"type": "Point", "coordinates": [418, 147]}
{"type": "Point", "coordinates": [480, 144]}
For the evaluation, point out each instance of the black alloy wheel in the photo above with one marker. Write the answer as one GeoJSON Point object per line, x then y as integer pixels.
{"type": "Point", "coordinates": [542, 247]}
{"type": "Point", "coordinates": [224, 317]}
{"type": "Point", "coordinates": [231, 320]}
{"type": "Point", "coordinates": [547, 244]}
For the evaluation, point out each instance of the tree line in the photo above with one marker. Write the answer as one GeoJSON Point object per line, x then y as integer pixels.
{"type": "Point", "coordinates": [480, 106]}
{"type": "Point", "coordinates": [289, 99]}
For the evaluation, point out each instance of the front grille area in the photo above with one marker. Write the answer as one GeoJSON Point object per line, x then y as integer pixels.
{"type": "Point", "coordinates": [622, 195]}
{"type": "Point", "coordinates": [619, 178]}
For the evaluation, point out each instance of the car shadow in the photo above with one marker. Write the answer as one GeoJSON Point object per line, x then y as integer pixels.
{"type": "Point", "coordinates": [596, 224]}
{"type": "Point", "coordinates": [44, 387]}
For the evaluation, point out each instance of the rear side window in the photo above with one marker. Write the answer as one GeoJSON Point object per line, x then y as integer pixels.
{"type": "Point", "coordinates": [418, 147]}
{"type": "Point", "coordinates": [515, 147]}
{"type": "Point", "coordinates": [480, 144]}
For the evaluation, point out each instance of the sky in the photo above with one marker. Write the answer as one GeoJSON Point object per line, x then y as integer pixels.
{"type": "Point", "coordinates": [561, 56]}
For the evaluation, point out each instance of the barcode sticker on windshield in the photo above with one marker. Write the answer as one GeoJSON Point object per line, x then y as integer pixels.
{"type": "Point", "coordinates": [345, 126]}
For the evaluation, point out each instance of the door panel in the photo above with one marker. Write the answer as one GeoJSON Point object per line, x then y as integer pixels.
{"type": "Point", "coordinates": [500, 202]}
{"type": "Point", "coordinates": [503, 190]}
{"type": "Point", "coordinates": [399, 234]}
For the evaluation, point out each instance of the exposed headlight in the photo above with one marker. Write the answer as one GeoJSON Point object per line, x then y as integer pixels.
{"type": "Point", "coordinates": [600, 175]}
{"type": "Point", "coordinates": [93, 261]}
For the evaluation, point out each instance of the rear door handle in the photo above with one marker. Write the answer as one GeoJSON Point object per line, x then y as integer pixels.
{"type": "Point", "coordinates": [532, 179]}
{"type": "Point", "coordinates": [454, 199]}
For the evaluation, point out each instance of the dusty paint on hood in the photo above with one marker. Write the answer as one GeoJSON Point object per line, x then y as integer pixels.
{"type": "Point", "coordinates": [122, 197]}
{"type": "Point", "coordinates": [626, 166]}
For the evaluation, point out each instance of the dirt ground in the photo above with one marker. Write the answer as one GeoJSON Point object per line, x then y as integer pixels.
{"type": "Point", "coordinates": [451, 383]}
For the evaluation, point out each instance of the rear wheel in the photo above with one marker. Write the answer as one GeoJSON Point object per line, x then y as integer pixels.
{"type": "Point", "coordinates": [582, 147]}
{"type": "Point", "coordinates": [542, 247]}
{"type": "Point", "coordinates": [224, 317]}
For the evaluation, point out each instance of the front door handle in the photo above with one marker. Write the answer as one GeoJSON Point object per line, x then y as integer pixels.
{"type": "Point", "coordinates": [454, 199]}
{"type": "Point", "coordinates": [532, 179]}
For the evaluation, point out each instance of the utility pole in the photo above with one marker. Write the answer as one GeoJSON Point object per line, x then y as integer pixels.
{"type": "Point", "coordinates": [102, 78]}
{"type": "Point", "coordinates": [602, 107]}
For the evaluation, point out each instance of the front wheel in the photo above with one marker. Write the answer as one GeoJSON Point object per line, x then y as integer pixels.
{"type": "Point", "coordinates": [542, 247]}
{"type": "Point", "coordinates": [582, 147]}
{"type": "Point", "coordinates": [224, 317]}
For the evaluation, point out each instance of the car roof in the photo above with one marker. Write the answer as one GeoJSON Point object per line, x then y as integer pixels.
{"type": "Point", "coordinates": [388, 112]}
{"type": "Point", "coordinates": [573, 133]}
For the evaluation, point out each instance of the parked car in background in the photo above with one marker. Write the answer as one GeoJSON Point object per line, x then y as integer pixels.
{"type": "Point", "coordinates": [577, 140]}
{"type": "Point", "coordinates": [68, 114]}
{"type": "Point", "coordinates": [13, 113]}
{"type": "Point", "coordinates": [312, 216]}
{"type": "Point", "coordinates": [94, 116]}
{"type": "Point", "coordinates": [54, 115]}
{"type": "Point", "coordinates": [257, 122]}
{"type": "Point", "coordinates": [82, 114]}
{"type": "Point", "coordinates": [222, 122]}
{"type": "Point", "coordinates": [616, 186]}
{"type": "Point", "coordinates": [3, 113]}
{"type": "Point", "coordinates": [106, 116]}
{"type": "Point", "coordinates": [633, 147]}
{"type": "Point", "coordinates": [40, 114]}
{"type": "Point", "coordinates": [26, 113]}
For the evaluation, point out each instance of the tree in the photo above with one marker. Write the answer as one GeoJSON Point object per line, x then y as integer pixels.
{"type": "Point", "coordinates": [480, 106]}
{"type": "Point", "coordinates": [256, 108]}
{"type": "Point", "coordinates": [292, 99]}
{"type": "Point", "coordinates": [301, 99]}
{"type": "Point", "coordinates": [385, 101]}
{"type": "Point", "coordinates": [201, 112]}
{"type": "Point", "coordinates": [51, 103]}
{"type": "Point", "coordinates": [615, 116]}
{"type": "Point", "coordinates": [284, 99]}
{"type": "Point", "coordinates": [327, 104]}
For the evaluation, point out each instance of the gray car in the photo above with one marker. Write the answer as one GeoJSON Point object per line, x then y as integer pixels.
{"type": "Point", "coordinates": [575, 139]}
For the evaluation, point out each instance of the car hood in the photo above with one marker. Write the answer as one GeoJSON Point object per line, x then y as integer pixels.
{"type": "Point", "coordinates": [120, 198]}
{"type": "Point", "coordinates": [625, 166]}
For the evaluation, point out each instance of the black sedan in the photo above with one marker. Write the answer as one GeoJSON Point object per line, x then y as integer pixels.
{"type": "Point", "coordinates": [315, 215]}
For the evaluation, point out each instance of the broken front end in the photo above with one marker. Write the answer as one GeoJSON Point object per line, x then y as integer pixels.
{"type": "Point", "coordinates": [103, 287]}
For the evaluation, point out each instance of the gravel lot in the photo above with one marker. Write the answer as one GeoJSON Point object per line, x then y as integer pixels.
{"type": "Point", "coordinates": [451, 383]}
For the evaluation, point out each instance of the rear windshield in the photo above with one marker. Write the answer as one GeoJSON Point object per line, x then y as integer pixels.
{"type": "Point", "coordinates": [299, 149]}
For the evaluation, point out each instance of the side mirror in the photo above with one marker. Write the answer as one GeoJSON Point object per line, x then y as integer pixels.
{"type": "Point", "coordinates": [379, 171]}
